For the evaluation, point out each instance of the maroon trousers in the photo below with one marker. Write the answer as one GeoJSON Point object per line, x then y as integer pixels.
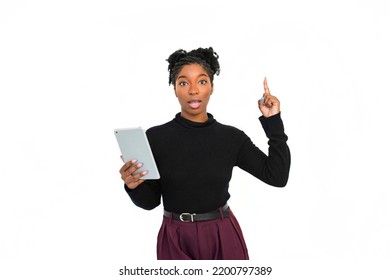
{"type": "Point", "coordinates": [220, 239]}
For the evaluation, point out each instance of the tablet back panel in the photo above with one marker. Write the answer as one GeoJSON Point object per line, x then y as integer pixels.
{"type": "Point", "coordinates": [134, 144]}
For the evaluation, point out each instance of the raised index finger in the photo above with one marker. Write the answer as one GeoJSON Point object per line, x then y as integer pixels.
{"type": "Point", "coordinates": [266, 88]}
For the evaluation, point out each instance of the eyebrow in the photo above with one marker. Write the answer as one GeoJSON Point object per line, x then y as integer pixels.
{"type": "Point", "coordinates": [200, 75]}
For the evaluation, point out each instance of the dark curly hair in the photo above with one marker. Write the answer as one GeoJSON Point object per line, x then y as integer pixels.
{"type": "Point", "coordinates": [205, 57]}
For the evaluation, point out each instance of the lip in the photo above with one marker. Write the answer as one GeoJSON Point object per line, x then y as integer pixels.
{"type": "Point", "coordinates": [194, 103]}
{"type": "Point", "coordinates": [194, 100]}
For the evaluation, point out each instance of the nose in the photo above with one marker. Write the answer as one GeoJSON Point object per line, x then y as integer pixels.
{"type": "Point", "coordinates": [193, 89]}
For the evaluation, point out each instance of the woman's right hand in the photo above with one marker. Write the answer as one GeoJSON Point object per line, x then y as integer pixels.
{"type": "Point", "coordinates": [127, 174]}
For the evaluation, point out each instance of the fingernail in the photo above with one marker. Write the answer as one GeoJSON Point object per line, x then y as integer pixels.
{"type": "Point", "coordinates": [144, 172]}
{"type": "Point", "coordinates": [261, 99]}
{"type": "Point", "coordinates": [139, 165]}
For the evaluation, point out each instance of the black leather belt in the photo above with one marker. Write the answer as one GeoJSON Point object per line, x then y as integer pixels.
{"type": "Point", "coordinates": [196, 217]}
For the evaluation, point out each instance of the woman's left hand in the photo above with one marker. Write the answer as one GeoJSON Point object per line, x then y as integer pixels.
{"type": "Point", "coordinates": [269, 105]}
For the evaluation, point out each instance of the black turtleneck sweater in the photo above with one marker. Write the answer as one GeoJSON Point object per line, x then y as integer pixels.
{"type": "Point", "coordinates": [196, 161]}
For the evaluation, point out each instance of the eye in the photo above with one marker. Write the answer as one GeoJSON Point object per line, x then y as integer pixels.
{"type": "Point", "coordinates": [183, 84]}
{"type": "Point", "coordinates": [202, 82]}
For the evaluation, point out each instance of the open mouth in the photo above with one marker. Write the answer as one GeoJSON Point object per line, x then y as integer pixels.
{"type": "Point", "coordinates": [194, 104]}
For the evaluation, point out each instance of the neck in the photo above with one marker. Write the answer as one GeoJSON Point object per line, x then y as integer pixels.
{"type": "Point", "coordinates": [200, 118]}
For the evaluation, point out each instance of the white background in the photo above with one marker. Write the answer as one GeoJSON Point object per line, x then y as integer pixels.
{"type": "Point", "coordinates": [72, 71]}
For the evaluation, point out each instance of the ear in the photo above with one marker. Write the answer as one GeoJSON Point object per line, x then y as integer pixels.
{"type": "Point", "coordinates": [212, 89]}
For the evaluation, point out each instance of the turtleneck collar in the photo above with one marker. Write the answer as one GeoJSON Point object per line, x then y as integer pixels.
{"type": "Point", "coordinates": [190, 124]}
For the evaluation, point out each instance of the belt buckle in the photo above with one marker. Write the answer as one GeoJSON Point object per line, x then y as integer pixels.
{"type": "Point", "coordinates": [191, 216]}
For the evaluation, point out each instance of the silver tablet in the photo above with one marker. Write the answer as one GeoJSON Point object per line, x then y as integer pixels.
{"type": "Point", "coordinates": [134, 144]}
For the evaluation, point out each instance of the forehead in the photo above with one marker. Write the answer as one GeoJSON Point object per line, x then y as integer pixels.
{"type": "Point", "coordinates": [192, 70]}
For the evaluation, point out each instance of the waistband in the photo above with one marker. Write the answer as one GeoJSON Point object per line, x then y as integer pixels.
{"type": "Point", "coordinates": [197, 217]}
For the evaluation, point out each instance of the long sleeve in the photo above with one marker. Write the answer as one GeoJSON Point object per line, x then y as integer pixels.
{"type": "Point", "coordinates": [147, 195]}
{"type": "Point", "coordinates": [196, 162]}
{"type": "Point", "coordinates": [272, 169]}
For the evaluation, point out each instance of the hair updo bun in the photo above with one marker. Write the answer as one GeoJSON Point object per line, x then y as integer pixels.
{"type": "Point", "coordinates": [205, 57]}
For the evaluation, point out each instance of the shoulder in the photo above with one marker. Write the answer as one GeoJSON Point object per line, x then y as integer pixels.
{"type": "Point", "coordinates": [229, 133]}
{"type": "Point", "coordinates": [160, 131]}
{"type": "Point", "coordinates": [159, 128]}
{"type": "Point", "coordinates": [229, 129]}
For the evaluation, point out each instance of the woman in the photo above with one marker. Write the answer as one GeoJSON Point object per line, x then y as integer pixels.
{"type": "Point", "coordinates": [195, 155]}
